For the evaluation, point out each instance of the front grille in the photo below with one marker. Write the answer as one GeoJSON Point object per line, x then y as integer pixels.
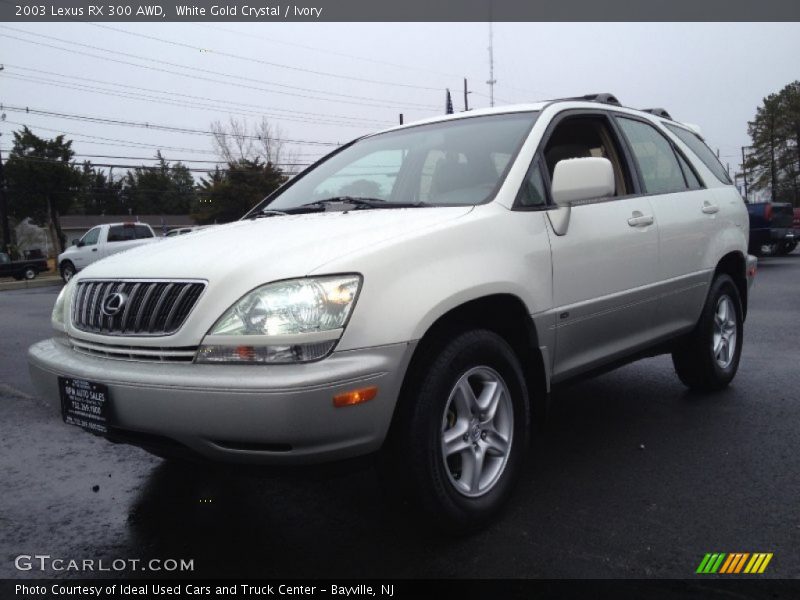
{"type": "Point", "coordinates": [137, 353]}
{"type": "Point", "coordinates": [144, 307]}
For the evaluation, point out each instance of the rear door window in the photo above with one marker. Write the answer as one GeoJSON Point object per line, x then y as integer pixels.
{"type": "Point", "coordinates": [658, 165]}
{"type": "Point", "coordinates": [692, 180]}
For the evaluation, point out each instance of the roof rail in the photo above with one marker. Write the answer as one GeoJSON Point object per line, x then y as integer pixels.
{"type": "Point", "coordinates": [604, 98]}
{"type": "Point", "coordinates": [659, 112]}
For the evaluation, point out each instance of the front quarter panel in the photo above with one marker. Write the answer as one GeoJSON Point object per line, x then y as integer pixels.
{"type": "Point", "coordinates": [410, 282]}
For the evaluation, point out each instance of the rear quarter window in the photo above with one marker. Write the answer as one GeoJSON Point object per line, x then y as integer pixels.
{"type": "Point", "coordinates": [702, 151]}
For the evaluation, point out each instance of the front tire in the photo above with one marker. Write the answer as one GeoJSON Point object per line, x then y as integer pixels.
{"type": "Point", "coordinates": [67, 271]}
{"type": "Point", "coordinates": [463, 431]}
{"type": "Point", "coordinates": [29, 273]}
{"type": "Point", "coordinates": [708, 358]}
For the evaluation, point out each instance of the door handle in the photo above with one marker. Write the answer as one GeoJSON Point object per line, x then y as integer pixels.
{"type": "Point", "coordinates": [94, 249]}
{"type": "Point", "coordinates": [709, 208]}
{"type": "Point", "coordinates": [640, 220]}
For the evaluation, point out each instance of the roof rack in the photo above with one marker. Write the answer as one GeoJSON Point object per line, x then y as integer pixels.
{"type": "Point", "coordinates": [659, 112]}
{"type": "Point", "coordinates": [604, 98]}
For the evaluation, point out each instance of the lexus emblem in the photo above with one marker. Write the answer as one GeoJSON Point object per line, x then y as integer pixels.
{"type": "Point", "coordinates": [113, 304]}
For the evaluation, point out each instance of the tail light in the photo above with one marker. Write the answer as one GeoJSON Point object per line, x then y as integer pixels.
{"type": "Point", "coordinates": [768, 212]}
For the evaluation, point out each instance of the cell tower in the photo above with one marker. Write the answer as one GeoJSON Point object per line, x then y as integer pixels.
{"type": "Point", "coordinates": [492, 80]}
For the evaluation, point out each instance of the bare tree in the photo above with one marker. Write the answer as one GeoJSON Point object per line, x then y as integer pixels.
{"type": "Point", "coordinates": [236, 140]}
{"type": "Point", "coordinates": [233, 141]}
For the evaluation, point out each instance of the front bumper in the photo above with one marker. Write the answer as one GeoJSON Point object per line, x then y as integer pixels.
{"type": "Point", "coordinates": [277, 414]}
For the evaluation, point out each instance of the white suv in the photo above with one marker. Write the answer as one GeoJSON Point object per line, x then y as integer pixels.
{"type": "Point", "coordinates": [417, 292]}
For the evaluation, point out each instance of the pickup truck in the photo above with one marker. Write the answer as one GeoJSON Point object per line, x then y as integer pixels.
{"type": "Point", "coordinates": [789, 245]}
{"type": "Point", "coordinates": [770, 228]}
{"type": "Point", "coordinates": [102, 241]}
{"type": "Point", "coordinates": [21, 269]}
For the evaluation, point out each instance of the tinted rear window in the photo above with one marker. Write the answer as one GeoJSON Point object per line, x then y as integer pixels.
{"type": "Point", "coordinates": [703, 152]}
{"type": "Point", "coordinates": [143, 232]}
{"type": "Point", "coordinates": [121, 233]}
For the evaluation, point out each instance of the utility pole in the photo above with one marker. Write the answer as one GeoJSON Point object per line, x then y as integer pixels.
{"type": "Point", "coordinates": [4, 228]}
{"type": "Point", "coordinates": [466, 102]}
{"type": "Point", "coordinates": [744, 172]}
{"type": "Point", "coordinates": [492, 80]}
{"type": "Point", "coordinates": [4, 210]}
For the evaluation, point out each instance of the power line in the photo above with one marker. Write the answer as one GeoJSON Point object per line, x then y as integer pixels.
{"type": "Point", "coordinates": [265, 62]}
{"type": "Point", "coordinates": [193, 97]}
{"type": "Point", "coordinates": [111, 141]}
{"type": "Point", "coordinates": [145, 125]}
{"type": "Point", "coordinates": [327, 98]}
{"type": "Point", "coordinates": [181, 160]}
{"type": "Point", "coordinates": [130, 144]}
{"type": "Point", "coordinates": [329, 52]}
{"type": "Point", "coordinates": [132, 166]}
{"type": "Point", "coordinates": [174, 160]}
{"type": "Point", "coordinates": [169, 102]}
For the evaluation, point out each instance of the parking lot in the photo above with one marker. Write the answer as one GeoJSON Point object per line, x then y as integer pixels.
{"type": "Point", "coordinates": [632, 477]}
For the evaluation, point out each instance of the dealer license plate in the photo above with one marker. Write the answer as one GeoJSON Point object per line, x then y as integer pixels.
{"type": "Point", "coordinates": [84, 403]}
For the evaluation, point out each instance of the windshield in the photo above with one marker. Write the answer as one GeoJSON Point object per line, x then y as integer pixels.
{"type": "Point", "coordinates": [458, 162]}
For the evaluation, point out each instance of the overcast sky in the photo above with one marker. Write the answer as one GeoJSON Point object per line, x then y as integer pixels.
{"type": "Point", "coordinates": [332, 82]}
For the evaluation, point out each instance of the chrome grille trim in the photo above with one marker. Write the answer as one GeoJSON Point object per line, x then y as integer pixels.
{"type": "Point", "coordinates": [134, 353]}
{"type": "Point", "coordinates": [156, 307]}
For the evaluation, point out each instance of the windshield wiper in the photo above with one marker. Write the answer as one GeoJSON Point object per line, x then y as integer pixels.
{"type": "Point", "coordinates": [268, 212]}
{"type": "Point", "coordinates": [359, 202]}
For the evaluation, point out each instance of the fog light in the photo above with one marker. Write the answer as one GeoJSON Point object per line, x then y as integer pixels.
{"type": "Point", "coordinates": [355, 397]}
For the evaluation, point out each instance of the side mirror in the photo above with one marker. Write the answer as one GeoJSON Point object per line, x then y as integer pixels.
{"type": "Point", "coordinates": [578, 179]}
{"type": "Point", "coordinates": [80, 244]}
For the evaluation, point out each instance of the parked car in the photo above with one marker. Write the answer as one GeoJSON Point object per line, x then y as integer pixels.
{"type": "Point", "coordinates": [100, 242]}
{"type": "Point", "coordinates": [497, 254]}
{"type": "Point", "coordinates": [21, 269]}
{"type": "Point", "coordinates": [770, 227]}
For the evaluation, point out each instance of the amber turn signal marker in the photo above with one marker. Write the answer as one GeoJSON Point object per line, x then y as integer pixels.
{"type": "Point", "coordinates": [355, 397]}
{"type": "Point", "coordinates": [245, 352]}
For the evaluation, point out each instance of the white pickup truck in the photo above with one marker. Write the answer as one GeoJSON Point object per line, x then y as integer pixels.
{"type": "Point", "coordinates": [102, 241]}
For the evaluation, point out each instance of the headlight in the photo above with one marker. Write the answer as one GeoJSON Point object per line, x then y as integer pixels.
{"type": "Point", "coordinates": [298, 320]}
{"type": "Point", "coordinates": [59, 316]}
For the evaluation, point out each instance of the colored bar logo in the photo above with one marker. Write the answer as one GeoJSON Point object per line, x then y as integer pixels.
{"type": "Point", "coordinates": [734, 563]}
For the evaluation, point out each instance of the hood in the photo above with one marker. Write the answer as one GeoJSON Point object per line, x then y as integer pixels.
{"type": "Point", "coordinates": [268, 249]}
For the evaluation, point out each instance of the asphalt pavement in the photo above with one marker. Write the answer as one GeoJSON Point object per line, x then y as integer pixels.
{"type": "Point", "coordinates": [631, 477]}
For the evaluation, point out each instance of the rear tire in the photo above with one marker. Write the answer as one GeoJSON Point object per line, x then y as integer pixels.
{"type": "Point", "coordinates": [785, 248]}
{"type": "Point", "coordinates": [29, 273]}
{"type": "Point", "coordinates": [708, 358]}
{"type": "Point", "coordinates": [67, 271]}
{"type": "Point", "coordinates": [462, 431]}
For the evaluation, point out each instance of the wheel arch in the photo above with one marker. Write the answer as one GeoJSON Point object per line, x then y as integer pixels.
{"type": "Point", "coordinates": [502, 313]}
{"type": "Point", "coordinates": [734, 264]}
